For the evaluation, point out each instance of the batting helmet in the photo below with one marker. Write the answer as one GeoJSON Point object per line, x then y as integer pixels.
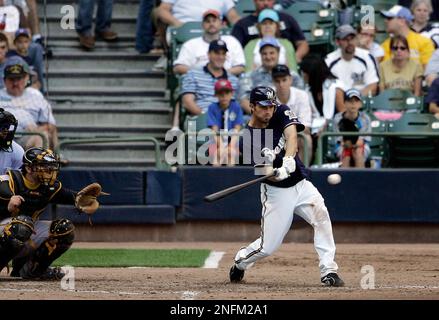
{"type": "Point", "coordinates": [263, 96]}
{"type": "Point", "coordinates": [8, 126]}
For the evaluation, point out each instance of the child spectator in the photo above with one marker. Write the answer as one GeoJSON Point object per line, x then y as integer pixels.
{"type": "Point", "coordinates": [352, 150]}
{"type": "Point", "coordinates": [22, 43]}
{"type": "Point", "coordinates": [225, 115]}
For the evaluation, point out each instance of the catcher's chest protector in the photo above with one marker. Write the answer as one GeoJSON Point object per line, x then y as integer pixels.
{"type": "Point", "coordinates": [34, 200]}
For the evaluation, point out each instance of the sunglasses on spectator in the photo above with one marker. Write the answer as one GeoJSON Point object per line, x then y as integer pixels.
{"type": "Point", "coordinates": [399, 48]}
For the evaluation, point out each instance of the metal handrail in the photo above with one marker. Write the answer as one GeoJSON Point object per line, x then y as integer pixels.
{"type": "Point", "coordinates": [371, 134]}
{"type": "Point", "coordinates": [222, 133]}
{"type": "Point", "coordinates": [158, 158]}
{"type": "Point", "coordinates": [43, 137]}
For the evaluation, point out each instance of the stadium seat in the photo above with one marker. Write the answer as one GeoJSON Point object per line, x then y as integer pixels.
{"type": "Point", "coordinates": [395, 100]}
{"type": "Point", "coordinates": [317, 24]}
{"type": "Point", "coordinates": [414, 151]}
{"type": "Point", "coordinates": [192, 126]}
{"type": "Point", "coordinates": [244, 7]}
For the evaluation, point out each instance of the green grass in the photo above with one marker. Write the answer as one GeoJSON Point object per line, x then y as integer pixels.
{"type": "Point", "coordinates": [175, 258]}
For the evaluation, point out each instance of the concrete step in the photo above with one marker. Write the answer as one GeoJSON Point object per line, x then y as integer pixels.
{"type": "Point", "coordinates": [138, 151]}
{"type": "Point", "coordinates": [97, 130]}
{"type": "Point", "coordinates": [102, 60]}
{"type": "Point", "coordinates": [122, 25]}
{"type": "Point", "coordinates": [112, 163]}
{"type": "Point", "coordinates": [111, 118]}
{"type": "Point", "coordinates": [100, 46]}
{"type": "Point", "coordinates": [72, 35]}
{"type": "Point", "coordinates": [110, 78]}
{"type": "Point", "coordinates": [128, 9]}
{"type": "Point", "coordinates": [145, 105]}
{"type": "Point", "coordinates": [107, 91]}
{"type": "Point", "coordinates": [75, 98]}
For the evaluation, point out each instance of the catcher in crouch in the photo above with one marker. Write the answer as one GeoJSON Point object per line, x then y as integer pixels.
{"type": "Point", "coordinates": [34, 244]}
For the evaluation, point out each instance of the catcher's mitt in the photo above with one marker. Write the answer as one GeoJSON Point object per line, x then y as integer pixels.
{"type": "Point", "coordinates": [86, 199]}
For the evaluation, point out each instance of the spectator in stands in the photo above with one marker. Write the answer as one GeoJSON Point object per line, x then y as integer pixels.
{"type": "Point", "coordinates": [197, 89]}
{"type": "Point", "coordinates": [434, 16]}
{"type": "Point", "coordinates": [269, 49]}
{"type": "Point", "coordinates": [432, 68]}
{"type": "Point", "coordinates": [102, 26]}
{"type": "Point", "coordinates": [421, 10]}
{"type": "Point", "coordinates": [175, 13]}
{"type": "Point", "coordinates": [432, 98]}
{"type": "Point", "coordinates": [268, 26]}
{"type": "Point", "coordinates": [22, 44]}
{"type": "Point", "coordinates": [246, 30]}
{"type": "Point", "coordinates": [355, 67]}
{"type": "Point", "coordinates": [225, 116]}
{"type": "Point", "coordinates": [144, 27]}
{"type": "Point", "coordinates": [193, 53]}
{"type": "Point", "coordinates": [352, 150]}
{"type": "Point", "coordinates": [398, 21]}
{"type": "Point", "coordinates": [298, 101]}
{"type": "Point", "coordinates": [17, 95]}
{"type": "Point", "coordinates": [366, 37]}
{"type": "Point", "coordinates": [401, 72]}
{"type": "Point", "coordinates": [4, 46]}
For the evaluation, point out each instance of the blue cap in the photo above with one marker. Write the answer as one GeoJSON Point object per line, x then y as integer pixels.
{"type": "Point", "coordinates": [268, 41]}
{"type": "Point", "coordinates": [268, 14]}
{"type": "Point", "coordinates": [22, 32]}
{"type": "Point", "coordinates": [398, 12]}
{"type": "Point", "coordinates": [352, 93]}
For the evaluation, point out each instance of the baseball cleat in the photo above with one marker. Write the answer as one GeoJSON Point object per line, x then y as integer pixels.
{"type": "Point", "coordinates": [51, 273]}
{"type": "Point", "coordinates": [236, 274]}
{"type": "Point", "coordinates": [332, 280]}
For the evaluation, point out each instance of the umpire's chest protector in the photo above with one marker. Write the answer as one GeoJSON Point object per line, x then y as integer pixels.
{"type": "Point", "coordinates": [35, 200]}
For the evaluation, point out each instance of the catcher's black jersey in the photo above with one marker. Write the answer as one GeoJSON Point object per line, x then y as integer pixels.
{"type": "Point", "coordinates": [282, 118]}
{"type": "Point", "coordinates": [35, 199]}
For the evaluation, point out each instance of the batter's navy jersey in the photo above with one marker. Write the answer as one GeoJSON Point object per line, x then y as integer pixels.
{"type": "Point", "coordinates": [250, 145]}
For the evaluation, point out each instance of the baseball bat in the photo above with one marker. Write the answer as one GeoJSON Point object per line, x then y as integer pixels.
{"type": "Point", "coordinates": [223, 193]}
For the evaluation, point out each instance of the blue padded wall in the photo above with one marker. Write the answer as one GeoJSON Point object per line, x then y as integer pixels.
{"type": "Point", "coordinates": [125, 187]}
{"type": "Point", "coordinates": [163, 187]}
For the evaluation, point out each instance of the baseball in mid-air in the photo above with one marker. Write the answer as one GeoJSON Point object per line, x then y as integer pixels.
{"type": "Point", "coordinates": [334, 178]}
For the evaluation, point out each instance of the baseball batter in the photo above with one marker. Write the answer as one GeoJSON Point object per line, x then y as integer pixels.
{"type": "Point", "coordinates": [289, 192]}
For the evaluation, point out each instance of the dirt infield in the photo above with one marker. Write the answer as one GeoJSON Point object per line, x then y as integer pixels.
{"type": "Point", "coordinates": [402, 271]}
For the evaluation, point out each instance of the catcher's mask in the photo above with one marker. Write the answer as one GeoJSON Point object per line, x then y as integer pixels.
{"type": "Point", "coordinates": [8, 126]}
{"type": "Point", "coordinates": [44, 163]}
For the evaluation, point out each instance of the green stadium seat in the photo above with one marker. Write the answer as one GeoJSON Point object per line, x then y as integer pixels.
{"type": "Point", "coordinates": [192, 126]}
{"type": "Point", "coordinates": [395, 100]}
{"type": "Point", "coordinates": [244, 7]}
{"type": "Point", "coordinates": [414, 151]}
{"type": "Point", "coordinates": [317, 24]}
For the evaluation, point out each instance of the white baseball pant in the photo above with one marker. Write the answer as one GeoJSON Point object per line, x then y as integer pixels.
{"type": "Point", "coordinates": [278, 208]}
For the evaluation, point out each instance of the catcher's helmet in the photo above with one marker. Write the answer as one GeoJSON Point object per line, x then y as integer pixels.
{"type": "Point", "coordinates": [263, 96]}
{"type": "Point", "coordinates": [44, 162]}
{"type": "Point", "coordinates": [8, 126]}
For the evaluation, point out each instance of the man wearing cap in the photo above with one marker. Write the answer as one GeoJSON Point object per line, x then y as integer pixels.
{"type": "Point", "coordinates": [245, 29]}
{"type": "Point", "coordinates": [269, 49]}
{"type": "Point", "coordinates": [17, 95]}
{"type": "Point", "coordinates": [355, 67]}
{"type": "Point", "coordinates": [298, 102]}
{"type": "Point", "coordinates": [398, 20]}
{"type": "Point", "coordinates": [34, 58]}
{"type": "Point", "coordinates": [352, 151]}
{"type": "Point", "coordinates": [269, 26]}
{"type": "Point", "coordinates": [194, 51]}
{"type": "Point", "coordinates": [197, 88]}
